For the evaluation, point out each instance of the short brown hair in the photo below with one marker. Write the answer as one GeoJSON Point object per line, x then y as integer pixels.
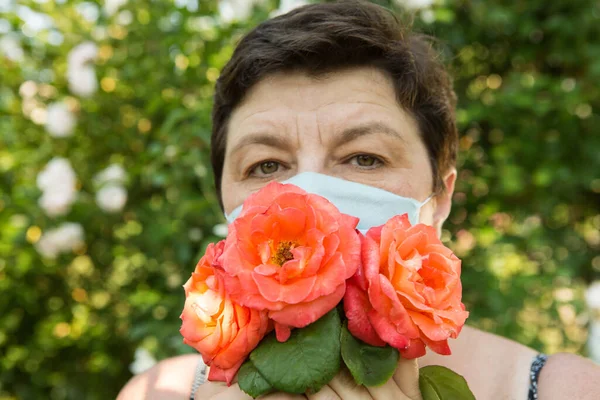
{"type": "Point", "coordinates": [321, 38]}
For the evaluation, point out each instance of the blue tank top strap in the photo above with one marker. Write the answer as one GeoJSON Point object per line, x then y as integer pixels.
{"type": "Point", "coordinates": [199, 378]}
{"type": "Point", "coordinates": [534, 373]}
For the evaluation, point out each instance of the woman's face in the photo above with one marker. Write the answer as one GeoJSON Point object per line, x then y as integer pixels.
{"type": "Point", "coordinates": [347, 124]}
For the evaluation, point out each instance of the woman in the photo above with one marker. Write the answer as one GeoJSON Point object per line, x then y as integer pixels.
{"type": "Point", "coordinates": [343, 90]}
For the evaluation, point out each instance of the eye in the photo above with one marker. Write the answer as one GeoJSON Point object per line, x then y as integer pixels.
{"type": "Point", "coordinates": [366, 161]}
{"type": "Point", "coordinates": [265, 168]}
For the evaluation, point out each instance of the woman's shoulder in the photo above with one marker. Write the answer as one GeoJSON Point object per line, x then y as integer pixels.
{"type": "Point", "coordinates": [568, 376]}
{"type": "Point", "coordinates": [499, 368]}
{"type": "Point", "coordinates": [494, 367]}
{"type": "Point", "coordinates": [169, 379]}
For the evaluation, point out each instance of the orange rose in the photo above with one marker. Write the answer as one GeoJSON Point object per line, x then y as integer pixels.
{"type": "Point", "coordinates": [221, 330]}
{"type": "Point", "coordinates": [290, 252]}
{"type": "Point", "coordinates": [407, 292]}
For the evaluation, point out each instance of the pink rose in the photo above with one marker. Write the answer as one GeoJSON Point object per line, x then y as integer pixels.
{"type": "Point", "coordinates": [290, 252]}
{"type": "Point", "coordinates": [223, 331]}
{"type": "Point", "coordinates": [407, 293]}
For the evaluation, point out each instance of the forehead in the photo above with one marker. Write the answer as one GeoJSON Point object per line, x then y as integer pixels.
{"type": "Point", "coordinates": [338, 92]}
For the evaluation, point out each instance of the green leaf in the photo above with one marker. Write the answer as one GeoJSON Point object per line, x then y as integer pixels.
{"type": "Point", "coordinates": [440, 383]}
{"type": "Point", "coordinates": [369, 365]}
{"type": "Point", "coordinates": [251, 381]}
{"type": "Point", "coordinates": [307, 361]}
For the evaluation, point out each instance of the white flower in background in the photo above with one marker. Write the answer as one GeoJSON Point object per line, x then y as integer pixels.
{"type": "Point", "coordinates": [142, 361]}
{"type": "Point", "coordinates": [5, 26]}
{"type": "Point", "coordinates": [88, 10]}
{"type": "Point", "coordinates": [83, 81]}
{"type": "Point", "coordinates": [28, 89]}
{"type": "Point", "coordinates": [415, 4]}
{"type": "Point", "coordinates": [47, 247]}
{"type": "Point", "coordinates": [114, 173]}
{"type": "Point", "coordinates": [81, 74]}
{"type": "Point", "coordinates": [220, 230]}
{"type": "Point", "coordinates": [33, 22]}
{"type": "Point", "coordinates": [592, 296]}
{"type": "Point", "coordinates": [125, 18]}
{"type": "Point", "coordinates": [112, 195]}
{"type": "Point", "coordinates": [57, 203]}
{"type": "Point", "coordinates": [237, 10]}
{"type": "Point", "coordinates": [60, 121]}
{"type": "Point", "coordinates": [427, 16]}
{"type": "Point", "coordinates": [57, 181]}
{"type": "Point", "coordinates": [111, 198]}
{"type": "Point", "coordinates": [58, 172]}
{"type": "Point", "coordinates": [68, 237]}
{"type": "Point", "coordinates": [112, 6]}
{"type": "Point", "coordinates": [288, 5]}
{"type": "Point", "coordinates": [11, 48]}
{"type": "Point", "coordinates": [6, 6]}
{"type": "Point", "coordinates": [83, 53]}
{"type": "Point", "coordinates": [55, 38]}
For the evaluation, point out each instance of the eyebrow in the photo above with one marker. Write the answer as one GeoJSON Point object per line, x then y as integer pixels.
{"type": "Point", "coordinates": [265, 139]}
{"type": "Point", "coordinates": [347, 136]}
{"type": "Point", "coordinates": [370, 128]}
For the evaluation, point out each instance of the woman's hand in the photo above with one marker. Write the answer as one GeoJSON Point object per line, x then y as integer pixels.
{"type": "Point", "coordinates": [404, 385]}
{"type": "Point", "coordinates": [220, 391]}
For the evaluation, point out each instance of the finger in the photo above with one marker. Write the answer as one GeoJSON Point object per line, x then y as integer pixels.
{"type": "Point", "coordinates": [232, 392]}
{"type": "Point", "coordinates": [209, 389]}
{"type": "Point", "coordinates": [326, 393]}
{"type": "Point", "coordinates": [407, 378]}
{"type": "Point", "coordinates": [388, 390]}
{"type": "Point", "coordinates": [344, 386]}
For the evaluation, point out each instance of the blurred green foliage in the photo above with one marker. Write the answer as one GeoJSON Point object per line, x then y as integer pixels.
{"type": "Point", "coordinates": [526, 216]}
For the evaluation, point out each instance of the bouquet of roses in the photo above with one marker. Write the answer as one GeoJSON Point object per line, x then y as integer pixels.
{"type": "Point", "coordinates": [295, 290]}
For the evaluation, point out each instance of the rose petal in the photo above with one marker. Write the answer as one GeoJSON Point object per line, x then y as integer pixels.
{"type": "Point", "coordinates": [314, 239]}
{"type": "Point", "coordinates": [356, 307]}
{"type": "Point", "coordinates": [242, 343]}
{"type": "Point", "coordinates": [265, 196]}
{"type": "Point", "coordinates": [192, 329]}
{"type": "Point", "coordinates": [415, 349]}
{"type": "Point", "coordinates": [431, 330]}
{"type": "Point", "coordinates": [440, 347]}
{"type": "Point", "coordinates": [412, 242]}
{"type": "Point", "coordinates": [292, 292]}
{"type": "Point", "coordinates": [267, 269]}
{"type": "Point", "coordinates": [329, 278]}
{"type": "Point", "coordinates": [370, 257]}
{"type": "Point", "coordinates": [243, 290]}
{"type": "Point", "coordinates": [386, 331]}
{"type": "Point", "coordinates": [393, 308]}
{"type": "Point", "coordinates": [282, 332]}
{"type": "Point", "coordinates": [217, 374]}
{"type": "Point", "coordinates": [302, 314]}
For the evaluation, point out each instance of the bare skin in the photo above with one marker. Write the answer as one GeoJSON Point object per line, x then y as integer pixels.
{"type": "Point", "coordinates": [291, 123]}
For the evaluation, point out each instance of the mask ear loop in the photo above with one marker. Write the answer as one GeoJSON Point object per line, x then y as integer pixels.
{"type": "Point", "coordinates": [426, 200]}
{"type": "Point", "coordinates": [233, 215]}
{"type": "Point", "coordinates": [423, 203]}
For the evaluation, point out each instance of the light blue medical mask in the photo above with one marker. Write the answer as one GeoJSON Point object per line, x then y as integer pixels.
{"type": "Point", "coordinates": [371, 205]}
